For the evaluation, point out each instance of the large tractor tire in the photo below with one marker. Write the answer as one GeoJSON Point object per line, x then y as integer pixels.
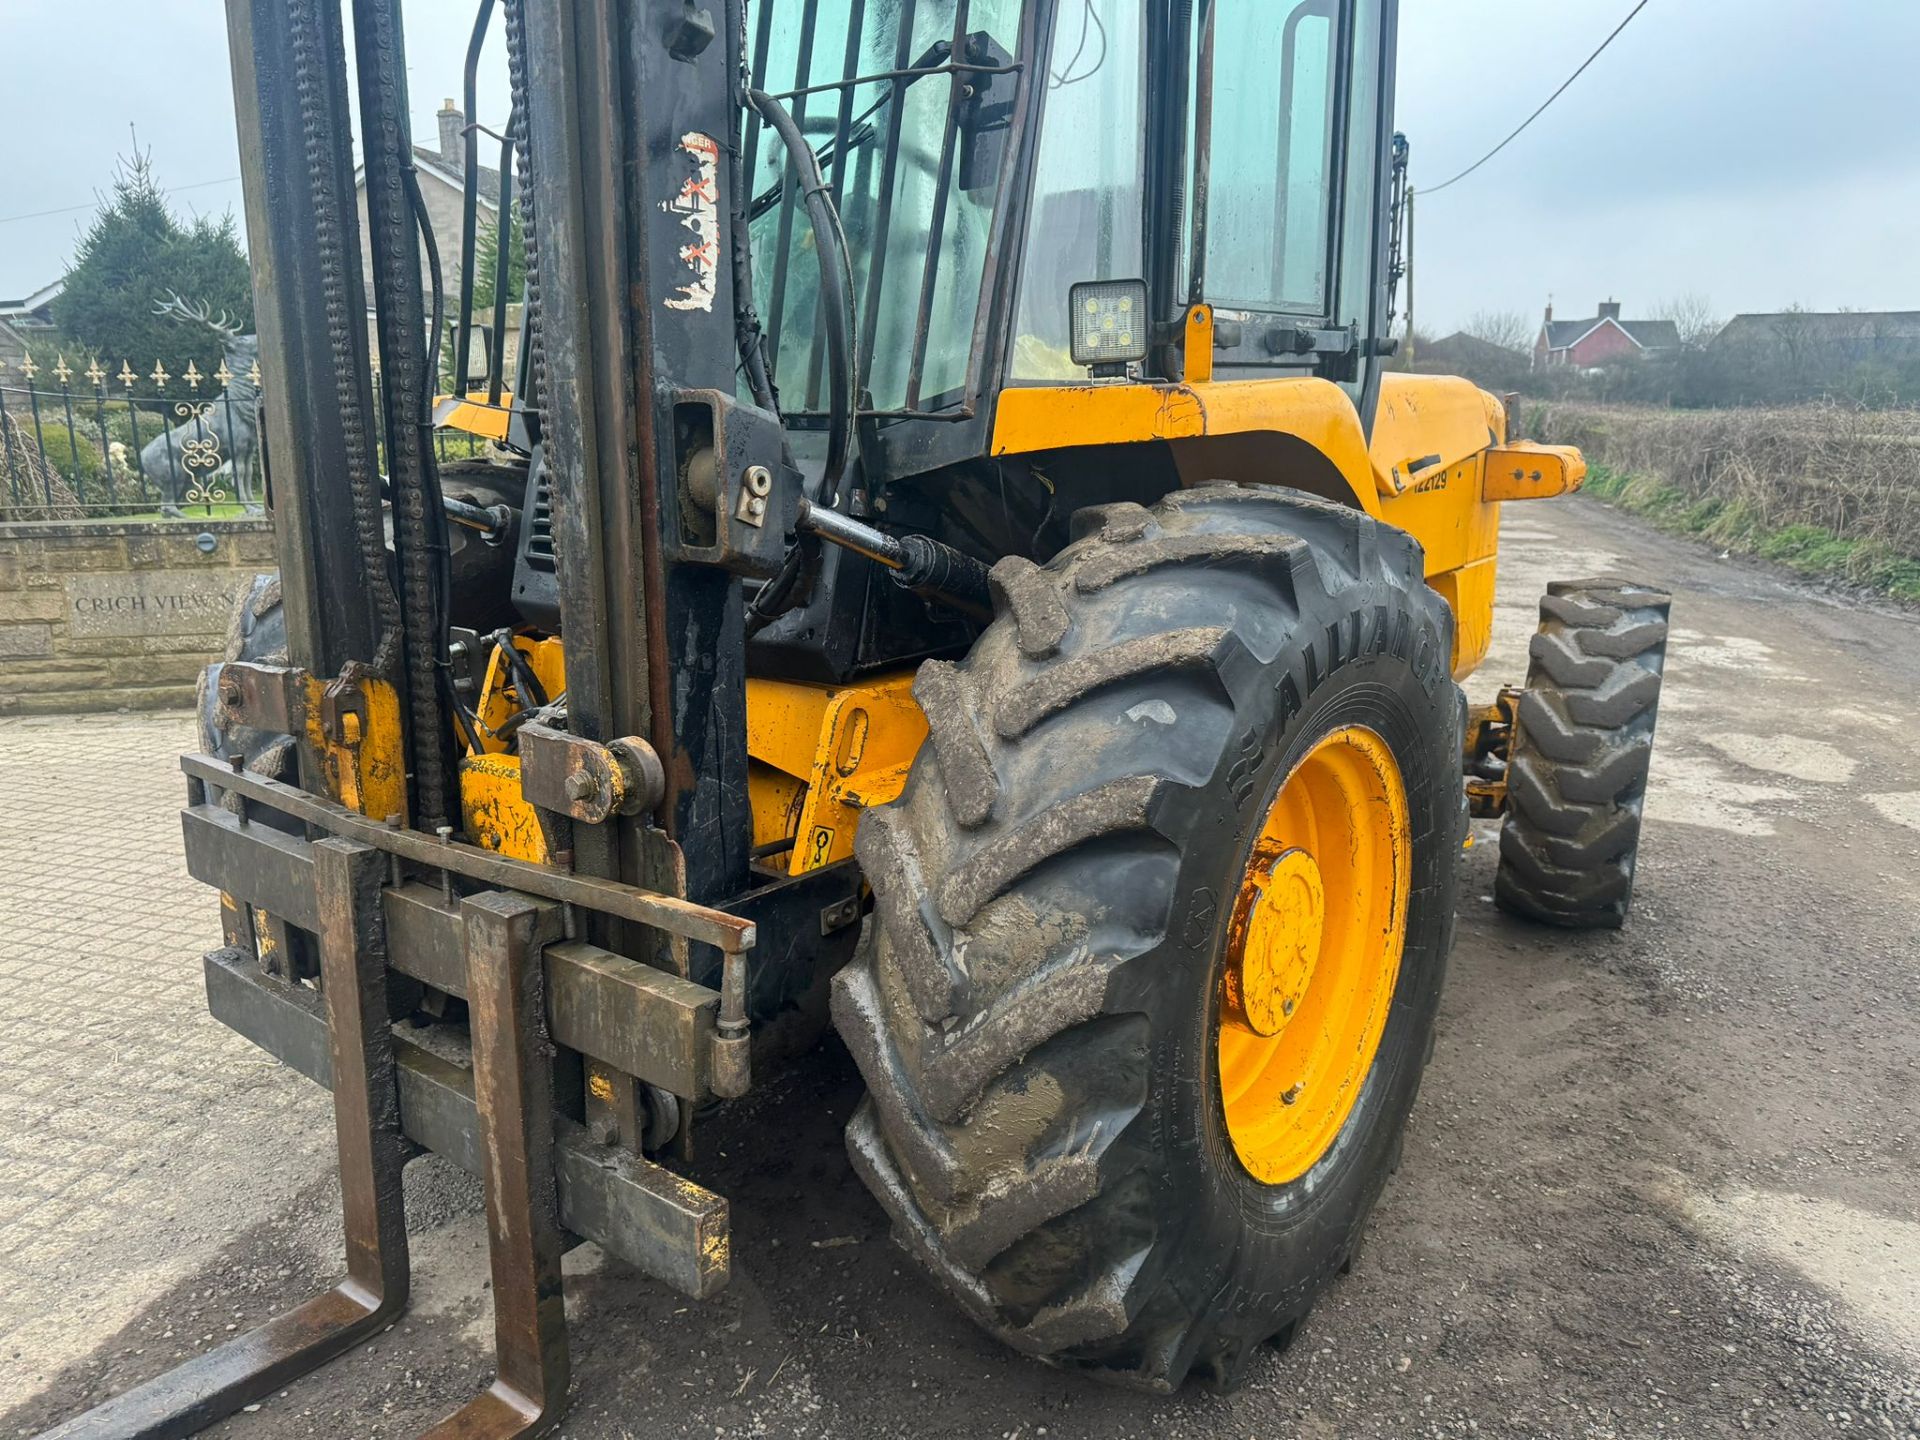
{"type": "Point", "coordinates": [1161, 922]}
{"type": "Point", "coordinates": [1582, 742]}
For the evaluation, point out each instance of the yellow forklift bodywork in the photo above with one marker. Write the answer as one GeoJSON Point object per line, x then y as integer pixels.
{"type": "Point", "coordinates": [1438, 464]}
{"type": "Point", "coordinates": [363, 754]}
{"type": "Point", "coordinates": [820, 755]}
{"type": "Point", "coordinates": [474, 415]}
{"type": "Point", "coordinates": [493, 810]}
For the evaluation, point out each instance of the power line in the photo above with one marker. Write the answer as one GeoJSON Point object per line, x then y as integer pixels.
{"type": "Point", "coordinates": [1435, 189]}
{"type": "Point", "coordinates": [91, 204]}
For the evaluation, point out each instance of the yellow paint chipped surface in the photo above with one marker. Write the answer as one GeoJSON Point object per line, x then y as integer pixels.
{"type": "Point", "coordinates": [822, 754]}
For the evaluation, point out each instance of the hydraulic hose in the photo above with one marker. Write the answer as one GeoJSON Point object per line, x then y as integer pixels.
{"type": "Point", "coordinates": [836, 291]}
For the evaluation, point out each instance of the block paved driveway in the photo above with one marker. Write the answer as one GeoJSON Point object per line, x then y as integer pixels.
{"type": "Point", "coordinates": [136, 1134]}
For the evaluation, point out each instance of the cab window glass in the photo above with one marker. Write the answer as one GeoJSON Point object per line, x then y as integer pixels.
{"type": "Point", "coordinates": [1268, 209]}
{"type": "Point", "coordinates": [1085, 219]}
{"type": "Point", "coordinates": [884, 184]}
{"type": "Point", "coordinates": [1361, 236]}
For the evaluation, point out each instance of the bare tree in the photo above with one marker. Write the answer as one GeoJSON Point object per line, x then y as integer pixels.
{"type": "Point", "coordinates": [1793, 331]}
{"type": "Point", "coordinates": [1693, 317]}
{"type": "Point", "coordinates": [1508, 329]}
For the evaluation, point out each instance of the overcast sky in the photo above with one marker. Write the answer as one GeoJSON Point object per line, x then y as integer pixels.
{"type": "Point", "coordinates": [1754, 152]}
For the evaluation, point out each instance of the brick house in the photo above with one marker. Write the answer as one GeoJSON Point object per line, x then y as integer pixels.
{"type": "Point", "coordinates": [442, 171]}
{"type": "Point", "coordinates": [1602, 339]}
{"type": "Point", "coordinates": [443, 186]}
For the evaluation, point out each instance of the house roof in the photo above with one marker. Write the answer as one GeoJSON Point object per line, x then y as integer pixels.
{"type": "Point", "coordinates": [1469, 347]}
{"type": "Point", "coordinates": [39, 300]}
{"type": "Point", "coordinates": [432, 162]}
{"type": "Point", "coordinates": [1562, 333]}
{"type": "Point", "coordinates": [1827, 325]}
{"type": "Point", "coordinates": [429, 159]}
{"type": "Point", "coordinates": [1647, 334]}
{"type": "Point", "coordinates": [1653, 334]}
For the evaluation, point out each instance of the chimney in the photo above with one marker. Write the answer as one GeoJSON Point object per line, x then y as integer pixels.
{"type": "Point", "coordinates": [1549, 312]}
{"type": "Point", "coordinates": [453, 144]}
{"type": "Point", "coordinates": [1610, 310]}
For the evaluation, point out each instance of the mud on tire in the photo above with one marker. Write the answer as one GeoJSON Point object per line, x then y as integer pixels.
{"type": "Point", "coordinates": [1577, 771]}
{"type": "Point", "coordinates": [1035, 1019]}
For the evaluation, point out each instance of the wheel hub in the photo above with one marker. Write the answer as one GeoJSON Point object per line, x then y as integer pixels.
{"type": "Point", "coordinates": [1283, 942]}
{"type": "Point", "coordinates": [1313, 953]}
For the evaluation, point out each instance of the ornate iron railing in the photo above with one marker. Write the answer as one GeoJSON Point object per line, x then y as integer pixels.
{"type": "Point", "coordinates": [71, 447]}
{"type": "Point", "coordinates": [81, 443]}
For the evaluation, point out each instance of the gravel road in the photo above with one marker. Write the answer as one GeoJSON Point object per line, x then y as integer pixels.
{"type": "Point", "coordinates": [1660, 1182]}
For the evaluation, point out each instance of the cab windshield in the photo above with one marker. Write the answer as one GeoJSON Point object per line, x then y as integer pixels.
{"type": "Point", "coordinates": [916, 149]}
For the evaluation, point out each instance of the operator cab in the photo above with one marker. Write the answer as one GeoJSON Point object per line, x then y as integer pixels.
{"type": "Point", "coordinates": [1069, 143]}
{"type": "Point", "coordinates": [1028, 197]}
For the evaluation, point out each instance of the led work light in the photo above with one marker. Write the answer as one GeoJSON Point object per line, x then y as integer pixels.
{"type": "Point", "coordinates": [1109, 323]}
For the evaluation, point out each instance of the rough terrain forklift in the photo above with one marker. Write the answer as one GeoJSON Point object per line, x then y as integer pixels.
{"type": "Point", "coordinates": [951, 476]}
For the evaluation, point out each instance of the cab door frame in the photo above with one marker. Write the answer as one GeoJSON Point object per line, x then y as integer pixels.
{"type": "Point", "coordinates": [1250, 343]}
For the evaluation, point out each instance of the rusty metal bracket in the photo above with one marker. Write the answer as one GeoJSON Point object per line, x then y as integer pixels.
{"type": "Point", "coordinates": [265, 697]}
{"type": "Point", "coordinates": [730, 1053]}
{"type": "Point", "coordinates": [700, 923]}
{"type": "Point", "coordinates": [366, 1111]}
{"type": "Point", "coordinates": [840, 914]}
{"type": "Point", "coordinates": [585, 779]}
{"type": "Point", "coordinates": [349, 726]}
{"type": "Point", "coordinates": [653, 1219]}
{"type": "Point", "coordinates": [282, 698]}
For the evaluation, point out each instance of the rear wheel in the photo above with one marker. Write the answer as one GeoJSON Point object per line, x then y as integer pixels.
{"type": "Point", "coordinates": [1163, 914]}
{"type": "Point", "coordinates": [1577, 767]}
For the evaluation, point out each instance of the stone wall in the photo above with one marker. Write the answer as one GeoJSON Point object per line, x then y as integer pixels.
{"type": "Point", "coordinates": [111, 614]}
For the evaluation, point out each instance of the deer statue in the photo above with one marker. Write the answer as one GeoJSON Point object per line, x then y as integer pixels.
{"type": "Point", "coordinates": [208, 438]}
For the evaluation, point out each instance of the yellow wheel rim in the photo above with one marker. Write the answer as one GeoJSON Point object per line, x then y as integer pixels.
{"type": "Point", "coordinates": [1313, 952]}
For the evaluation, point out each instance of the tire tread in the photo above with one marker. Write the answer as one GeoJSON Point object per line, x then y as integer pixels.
{"type": "Point", "coordinates": [1044, 1237]}
{"type": "Point", "coordinates": [1577, 772]}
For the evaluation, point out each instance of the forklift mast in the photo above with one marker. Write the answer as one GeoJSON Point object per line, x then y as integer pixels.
{"type": "Point", "coordinates": [629, 138]}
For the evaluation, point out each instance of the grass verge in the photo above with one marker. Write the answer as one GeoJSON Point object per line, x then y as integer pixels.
{"type": "Point", "coordinates": [1810, 550]}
